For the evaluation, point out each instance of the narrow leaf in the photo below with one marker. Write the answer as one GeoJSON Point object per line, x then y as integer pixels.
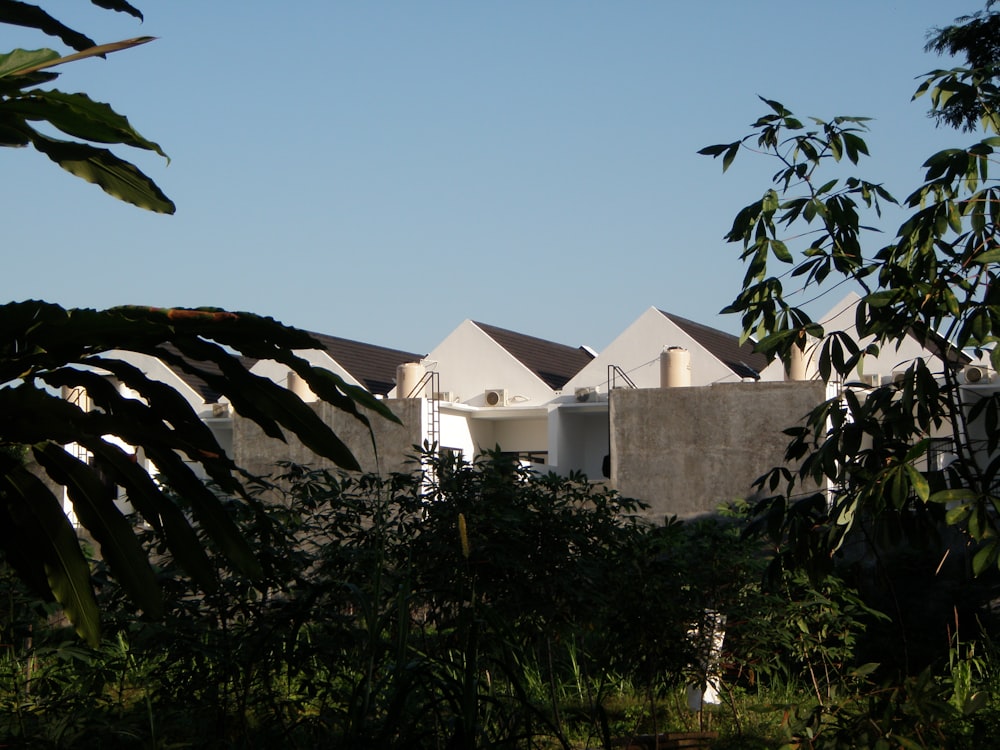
{"type": "Point", "coordinates": [38, 522]}
{"type": "Point", "coordinates": [99, 166]}
{"type": "Point", "coordinates": [989, 256]}
{"type": "Point", "coordinates": [97, 512]}
{"type": "Point", "coordinates": [33, 17]}
{"type": "Point", "coordinates": [984, 557]}
{"type": "Point", "coordinates": [81, 117]}
{"type": "Point", "coordinates": [18, 60]}
{"type": "Point", "coordinates": [119, 5]}
{"type": "Point", "coordinates": [98, 51]}
{"type": "Point", "coordinates": [952, 496]}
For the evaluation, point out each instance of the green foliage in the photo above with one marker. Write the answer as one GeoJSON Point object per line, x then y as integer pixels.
{"type": "Point", "coordinates": [806, 634]}
{"type": "Point", "coordinates": [934, 281]}
{"type": "Point", "coordinates": [967, 97]}
{"type": "Point", "coordinates": [23, 103]}
{"type": "Point", "coordinates": [909, 532]}
{"type": "Point", "coordinates": [48, 348]}
{"type": "Point", "coordinates": [369, 626]}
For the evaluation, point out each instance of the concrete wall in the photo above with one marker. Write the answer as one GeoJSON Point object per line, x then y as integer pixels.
{"type": "Point", "coordinates": [257, 453]}
{"type": "Point", "coordinates": [687, 450]}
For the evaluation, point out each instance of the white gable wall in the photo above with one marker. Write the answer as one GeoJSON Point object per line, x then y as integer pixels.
{"type": "Point", "coordinates": [889, 360]}
{"type": "Point", "coordinates": [154, 369]}
{"type": "Point", "coordinates": [637, 352]}
{"type": "Point", "coordinates": [470, 362]}
{"type": "Point", "coordinates": [278, 373]}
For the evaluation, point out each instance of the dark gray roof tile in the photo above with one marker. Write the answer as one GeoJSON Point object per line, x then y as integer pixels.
{"type": "Point", "coordinates": [554, 363]}
{"type": "Point", "coordinates": [372, 366]}
{"type": "Point", "coordinates": [740, 358]}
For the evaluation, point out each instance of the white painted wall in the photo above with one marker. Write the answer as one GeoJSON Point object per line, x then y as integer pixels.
{"type": "Point", "coordinates": [278, 373]}
{"type": "Point", "coordinates": [470, 362]}
{"type": "Point", "coordinates": [521, 435]}
{"type": "Point", "coordinates": [154, 369]}
{"type": "Point", "coordinates": [889, 360]}
{"type": "Point", "coordinates": [474, 430]}
{"type": "Point", "coordinates": [456, 430]}
{"type": "Point", "coordinates": [578, 438]}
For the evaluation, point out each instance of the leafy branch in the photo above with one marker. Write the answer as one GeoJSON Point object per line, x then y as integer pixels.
{"type": "Point", "coordinates": [23, 103]}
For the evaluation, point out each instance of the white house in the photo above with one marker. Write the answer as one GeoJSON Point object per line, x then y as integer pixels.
{"type": "Point", "coordinates": [366, 365]}
{"type": "Point", "coordinates": [874, 369]}
{"type": "Point", "coordinates": [579, 427]}
{"type": "Point", "coordinates": [715, 356]}
{"type": "Point", "coordinates": [550, 404]}
{"type": "Point", "coordinates": [493, 386]}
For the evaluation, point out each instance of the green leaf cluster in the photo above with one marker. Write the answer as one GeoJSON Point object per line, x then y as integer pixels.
{"type": "Point", "coordinates": [910, 463]}
{"type": "Point", "coordinates": [48, 350]}
{"type": "Point", "coordinates": [23, 105]}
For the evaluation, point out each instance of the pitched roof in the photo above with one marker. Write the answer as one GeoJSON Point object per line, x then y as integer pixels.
{"type": "Point", "coordinates": [940, 346]}
{"type": "Point", "coordinates": [740, 358]}
{"type": "Point", "coordinates": [208, 394]}
{"type": "Point", "coordinates": [931, 340]}
{"type": "Point", "coordinates": [372, 366]}
{"type": "Point", "coordinates": [554, 363]}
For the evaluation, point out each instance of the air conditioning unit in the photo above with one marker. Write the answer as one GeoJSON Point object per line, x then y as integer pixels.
{"type": "Point", "coordinates": [975, 375]}
{"type": "Point", "coordinates": [585, 394]}
{"type": "Point", "coordinates": [447, 396]}
{"type": "Point", "coordinates": [496, 397]}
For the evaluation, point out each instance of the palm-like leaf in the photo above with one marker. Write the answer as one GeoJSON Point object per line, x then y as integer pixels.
{"type": "Point", "coordinates": [45, 347]}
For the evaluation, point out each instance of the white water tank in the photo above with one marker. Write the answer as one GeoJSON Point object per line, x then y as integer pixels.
{"type": "Point", "coordinates": [300, 387]}
{"type": "Point", "coordinates": [797, 364]}
{"type": "Point", "coordinates": [675, 367]}
{"type": "Point", "coordinates": [408, 377]}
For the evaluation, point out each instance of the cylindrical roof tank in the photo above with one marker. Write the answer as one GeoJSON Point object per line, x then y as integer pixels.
{"type": "Point", "coordinates": [675, 367]}
{"type": "Point", "coordinates": [797, 363]}
{"type": "Point", "coordinates": [300, 387]}
{"type": "Point", "coordinates": [408, 377]}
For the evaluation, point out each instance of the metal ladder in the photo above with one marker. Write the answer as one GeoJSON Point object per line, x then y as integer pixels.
{"type": "Point", "coordinates": [615, 373]}
{"type": "Point", "coordinates": [430, 384]}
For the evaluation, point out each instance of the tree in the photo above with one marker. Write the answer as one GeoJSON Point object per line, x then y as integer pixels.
{"type": "Point", "coordinates": [968, 95]}
{"type": "Point", "coordinates": [44, 348]}
{"type": "Point", "coordinates": [936, 279]}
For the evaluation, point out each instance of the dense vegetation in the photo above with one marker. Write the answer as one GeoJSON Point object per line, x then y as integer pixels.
{"type": "Point", "coordinates": [475, 605]}
{"type": "Point", "coordinates": [45, 349]}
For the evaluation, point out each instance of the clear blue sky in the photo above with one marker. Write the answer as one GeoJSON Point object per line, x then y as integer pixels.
{"type": "Point", "coordinates": [382, 171]}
